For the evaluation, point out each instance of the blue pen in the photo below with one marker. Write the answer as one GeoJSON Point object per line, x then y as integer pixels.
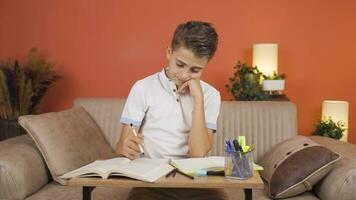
{"type": "Point", "coordinates": [230, 146]}
{"type": "Point", "coordinates": [228, 149]}
{"type": "Point", "coordinates": [236, 145]}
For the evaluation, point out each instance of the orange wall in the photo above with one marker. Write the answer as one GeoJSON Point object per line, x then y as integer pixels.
{"type": "Point", "coordinates": [102, 47]}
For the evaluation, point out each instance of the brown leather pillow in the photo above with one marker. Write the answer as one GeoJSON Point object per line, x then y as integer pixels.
{"type": "Point", "coordinates": [295, 165]}
{"type": "Point", "coordinates": [67, 140]}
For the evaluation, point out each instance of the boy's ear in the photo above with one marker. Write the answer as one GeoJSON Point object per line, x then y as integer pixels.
{"type": "Point", "coordinates": [169, 53]}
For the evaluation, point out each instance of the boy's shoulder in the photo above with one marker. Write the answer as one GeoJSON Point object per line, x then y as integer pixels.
{"type": "Point", "coordinates": [209, 89]}
{"type": "Point", "coordinates": [147, 81]}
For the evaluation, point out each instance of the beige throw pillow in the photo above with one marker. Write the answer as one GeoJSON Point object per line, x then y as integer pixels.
{"type": "Point", "coordinates": [295, 165]}
{"type": "Point", "coordinates": [340, 183]}
{"type": "Point", "coordinates": [67, 140]}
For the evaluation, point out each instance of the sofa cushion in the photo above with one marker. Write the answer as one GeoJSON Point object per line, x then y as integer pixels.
{"type": "Point", "coordinates": [22, 168]}
{"type": "Point", "coordinates": [340, 183]}
{"type": "Point", "coordinates": [260, 194]}
{"type": "Point", "coordinates": [295, 165]}
{"type": "Point", "coordinates": [56, 191]}
{"type": "Point", "coordinates": [264, 123]}
{"type": "Point", "coordinates": [67, 140]}
{"type": "Point", "coordinates": [105, 112]}
{"type": "Point", "coordinates": [345, 149]}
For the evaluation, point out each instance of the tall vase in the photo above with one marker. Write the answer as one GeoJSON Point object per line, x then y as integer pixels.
{"type": "Point", "coordinates": [10, 128]}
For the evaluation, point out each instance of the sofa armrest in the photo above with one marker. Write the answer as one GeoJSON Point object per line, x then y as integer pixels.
{"type": "Point", "coordinates": [347, 150]}
{"type": "Point", "coordinates": [22, 169]}
{"type": "Point", "coordinates": [340, 183]}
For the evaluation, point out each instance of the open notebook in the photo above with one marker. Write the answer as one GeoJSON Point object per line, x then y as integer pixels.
{"type": "Point", "coordinates": [143, 169]}
{"type": "Point", "coordinates": [191, 165]}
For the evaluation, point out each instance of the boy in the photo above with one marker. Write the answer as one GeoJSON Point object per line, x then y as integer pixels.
{"type": "Point", "coordinates": [175, 111]}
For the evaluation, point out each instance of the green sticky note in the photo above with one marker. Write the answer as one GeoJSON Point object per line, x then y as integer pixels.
{"type": "Point", "coordinates": [242, 141]}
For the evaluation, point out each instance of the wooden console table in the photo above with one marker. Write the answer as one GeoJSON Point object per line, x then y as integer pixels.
{"type": "Point", "coordinates": [179, 181]}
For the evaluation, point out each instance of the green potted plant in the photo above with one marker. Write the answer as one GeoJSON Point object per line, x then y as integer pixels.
{"type": "Point", "coordinates": [274, 82]}
{"type": "Point", "coordinates": [245, 83]}
{"type": "Point", "coordinates": [22, 88]}
{"type": "Point", "coordinates": [329, 128]}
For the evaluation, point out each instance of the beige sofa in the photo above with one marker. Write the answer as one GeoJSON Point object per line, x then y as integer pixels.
{"type": "Point", "coordinates": [24, 174]}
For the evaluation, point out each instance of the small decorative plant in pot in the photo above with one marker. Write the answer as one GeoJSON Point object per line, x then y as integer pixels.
{"type": "Point", "coordinates": [21, 89]}
{"type": "Point", "coordinates": [274, 82]}
{"type": "Point", "coordinates": [245, 83]}
{"type": "Point", "coordinates": [329, 128]}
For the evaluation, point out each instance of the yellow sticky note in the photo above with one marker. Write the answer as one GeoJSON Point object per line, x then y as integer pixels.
{"type": "Point", "coordinates": [245, 148]}
{"type": "Point", "coordinates": [242, 141]}
{"type": "Point", "coordinates": [257, 167]}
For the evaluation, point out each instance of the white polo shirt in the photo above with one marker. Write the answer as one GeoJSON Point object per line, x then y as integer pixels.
{"type": "Point", "coordinates": [165, 118]}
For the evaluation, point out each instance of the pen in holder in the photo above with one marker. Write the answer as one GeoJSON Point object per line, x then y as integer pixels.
{"type": "Point", "coordinates": [238, 165]}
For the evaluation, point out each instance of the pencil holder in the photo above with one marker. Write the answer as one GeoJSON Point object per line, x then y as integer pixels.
{"type": "Point", "coordinates": [238, 165]}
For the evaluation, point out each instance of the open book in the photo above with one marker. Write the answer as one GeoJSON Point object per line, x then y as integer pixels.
{"type": "Point", "coordinates": [143, 169]}
{"type": "Point", "coordinates": [191, 165]}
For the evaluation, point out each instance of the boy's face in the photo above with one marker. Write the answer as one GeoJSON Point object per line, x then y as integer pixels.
{"type": "Point", "coordinates": [183, 65]}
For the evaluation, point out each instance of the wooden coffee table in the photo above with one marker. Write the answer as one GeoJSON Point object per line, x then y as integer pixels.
{"type": "Point", "coordinates": [179, 181]}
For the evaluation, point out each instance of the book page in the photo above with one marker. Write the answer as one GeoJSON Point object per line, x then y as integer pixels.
{"type": "Point", "coordinates": [144, 169]}
{"type": "Point", "coordinates": [190, 165]}
{"type": "Point", "coordinates": [97, 168]}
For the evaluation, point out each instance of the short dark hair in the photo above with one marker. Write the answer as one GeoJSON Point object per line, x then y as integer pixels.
{"type": "Point", "coordinates": [199, 37]}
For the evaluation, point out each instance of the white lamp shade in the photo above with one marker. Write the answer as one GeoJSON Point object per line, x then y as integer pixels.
{"type": "Point", "coordinates": [338, 111]}
{"type": "Point", "coordinates": [265, 57]}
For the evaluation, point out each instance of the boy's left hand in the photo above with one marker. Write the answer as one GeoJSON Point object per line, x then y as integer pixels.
{"type": "Point", "coordinates": [194, 88]}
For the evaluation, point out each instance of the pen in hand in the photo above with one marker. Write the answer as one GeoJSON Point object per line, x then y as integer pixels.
{"type": "Point", "coordinates": [134, 132]}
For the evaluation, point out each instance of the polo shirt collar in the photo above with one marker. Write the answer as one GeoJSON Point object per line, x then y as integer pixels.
{"type": "Point", "coordinates": [167, 83]}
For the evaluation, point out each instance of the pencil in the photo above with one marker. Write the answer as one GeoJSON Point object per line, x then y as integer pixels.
{"type": "Point", "coordinates": [134, 132]}
{"type": "Point", "coordinates": [179, 171]}
{"type": "Point", "coordinates": [185, 174]}
{"type": "Point", "coordinates": [171, 172]}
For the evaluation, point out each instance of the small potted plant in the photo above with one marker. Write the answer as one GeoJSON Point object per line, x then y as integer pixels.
{"type": "Point", "coordinates": [245, 84]}
{"type": "Point", "coordinates": [22, 87]}
{"type": "Point", "coordinates": [329, 128]}
{"type": "Point", "coordinates": [274, 82]}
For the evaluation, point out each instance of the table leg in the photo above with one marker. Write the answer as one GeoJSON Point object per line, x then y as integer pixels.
{"type": "Point", "coordinates": [248, 194]}
{"type": "Point", "coordinates": [87, 192]}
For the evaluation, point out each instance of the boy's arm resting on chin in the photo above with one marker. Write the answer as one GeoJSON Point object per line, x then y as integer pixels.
{"type": "Point", "coordinates": [128, 143]}
{"type": "Point", "coordinates": [200, 137]}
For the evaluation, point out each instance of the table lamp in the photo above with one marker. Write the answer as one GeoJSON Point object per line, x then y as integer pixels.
{"type": "Point", "coordinates": [265, 57]}
{"type": "Point", "coordinates": [337, 111]}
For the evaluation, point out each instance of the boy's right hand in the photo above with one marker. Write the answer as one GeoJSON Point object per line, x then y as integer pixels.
{"type": "Point", "coordinates": [128, 146]}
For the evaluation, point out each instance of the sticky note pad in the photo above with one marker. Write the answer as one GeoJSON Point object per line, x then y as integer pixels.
{"type": "Point", "coordinates": [245, 148]}
{"type": "Point", "coordinates": [257, 167]}
{"type": "Point", "coordinates": [242, 141]}
{"type": "Point", "coordinates": [200, 172]}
